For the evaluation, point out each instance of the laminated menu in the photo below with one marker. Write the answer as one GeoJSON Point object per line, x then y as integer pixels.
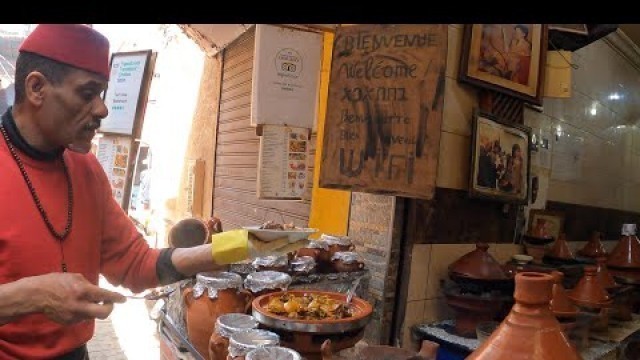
{"type": "Point", "coordinates": [283, 162]}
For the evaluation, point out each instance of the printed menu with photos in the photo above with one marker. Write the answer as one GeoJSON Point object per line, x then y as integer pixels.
{"type": "Point", "coordinates": [113, 154]}
{"type": "Point", "coordinates": [282, 169]}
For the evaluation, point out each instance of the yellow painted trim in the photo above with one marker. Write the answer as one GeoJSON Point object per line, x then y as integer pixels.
{"type": "Point", "coordinates": [329, 208]}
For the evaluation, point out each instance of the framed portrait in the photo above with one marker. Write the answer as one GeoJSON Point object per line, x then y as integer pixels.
{"type": "Point", "coordinates": [508, 58]}
{"type": "Point", "coordinates": [553, 221]}
{"type": "Point", "coordinates": [500, 161]}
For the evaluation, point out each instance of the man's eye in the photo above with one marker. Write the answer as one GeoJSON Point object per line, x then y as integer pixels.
{"type": "Point", "coordinates": [88, 95]}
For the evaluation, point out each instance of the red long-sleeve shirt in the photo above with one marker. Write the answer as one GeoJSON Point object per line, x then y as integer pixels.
{"type": "Point", "coordinates": [102, 241]}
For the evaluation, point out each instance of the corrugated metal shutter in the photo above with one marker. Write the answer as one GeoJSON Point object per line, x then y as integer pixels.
{"type": "Point", "coordinates": [234, 199]}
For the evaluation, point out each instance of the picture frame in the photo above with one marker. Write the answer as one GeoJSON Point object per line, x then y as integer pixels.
{"type": "Point", "coordinates": [507, 58]}
{"type": "Point", "coordinates": [500, 161]}
{"type": "Point", "coordinates": [580, 29]}
{"type": "Point", "coordinates": [554, 221]}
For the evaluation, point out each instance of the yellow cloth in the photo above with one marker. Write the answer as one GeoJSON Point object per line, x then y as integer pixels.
{"type": "Point", "coordinates": [230, 246]}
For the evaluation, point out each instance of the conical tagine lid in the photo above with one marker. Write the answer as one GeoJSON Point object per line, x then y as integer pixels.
{"type": "Point", "coordinates": [530, 331]}
{"type": "Point", "coordinates": [479, 265]}
{"type": "Point", "coordinates": [561, 305]}
{"type": "Point", "coordinates": [626, 254]}
{"type": "Point", "coordinates": [594, 247]}
{"type": "Point", "coordinates": [560, 249]}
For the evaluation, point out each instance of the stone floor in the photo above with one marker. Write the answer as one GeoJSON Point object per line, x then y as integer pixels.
{"type": "Point", "coordinates": [128, 333]}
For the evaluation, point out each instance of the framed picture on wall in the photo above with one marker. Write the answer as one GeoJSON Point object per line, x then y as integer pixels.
{"type": "Point", "coordinates": [500, 161]}
{"type": "Point", "coordinates": [508, 58]}
{"type": "Point", "coordinates": [553, 221]}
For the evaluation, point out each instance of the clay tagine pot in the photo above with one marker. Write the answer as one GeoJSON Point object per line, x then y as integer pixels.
{"type": "Point", "coordinates": [560, 249]}
{"type": "Point", "coordinates": [561, 306]}
{"type": "Point", "coordinates": [626, 254]}
{"type": "Point", "coordinates": [594, 247]}
{"type": "Point", "coordinates": [603, 274]}
{"type": "Point", "coordinates": [530, 331]}
{"type": "Point", "coordinates": [589, 292]}
{"type": "Point", "coordinates": [471, 310]}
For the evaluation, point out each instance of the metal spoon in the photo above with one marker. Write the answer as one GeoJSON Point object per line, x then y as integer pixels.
{"type": "Point", "coordinates": [154, 294]}
{"type": "Point", "coordinates": [352, 290]}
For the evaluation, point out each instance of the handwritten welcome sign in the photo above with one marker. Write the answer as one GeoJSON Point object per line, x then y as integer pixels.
{"type": "Point", "coordinates": [386, 91]}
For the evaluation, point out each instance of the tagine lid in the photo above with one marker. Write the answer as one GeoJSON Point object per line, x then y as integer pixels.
{"type": "Point", "coordinates": [626, 253]}
{"type": "Point", "coordinates": [561, 305]}
{"type": "Point", "coordinates": [593, 248]}
{"type": "Point", "coordinates": [560, 249]}
{"type": "Point", "coordinates": [478, 265]}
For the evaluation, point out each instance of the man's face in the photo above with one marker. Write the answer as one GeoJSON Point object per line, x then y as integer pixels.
{"type": "Point", "coordinates": [71, 112]}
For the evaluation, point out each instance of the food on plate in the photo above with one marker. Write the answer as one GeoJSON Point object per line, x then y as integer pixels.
{"type": "Point", "coordinates": [271, 225]}
{"type": "Point", "coordinates": [308, 307]}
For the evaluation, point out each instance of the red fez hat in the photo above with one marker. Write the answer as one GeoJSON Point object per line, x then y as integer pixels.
{"type": "Point", "coordinates": [77, 45]}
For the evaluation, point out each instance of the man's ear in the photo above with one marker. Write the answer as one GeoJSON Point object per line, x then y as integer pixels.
{"type": "Point", "coordinates": [34, 88]}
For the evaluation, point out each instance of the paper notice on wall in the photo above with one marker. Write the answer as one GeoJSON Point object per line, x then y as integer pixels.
{"type": "Point", "coordinates": [286, 76]}
{"type": "Point", "coordinates": [283, 162]}
{"type": "Point", "coordinates": [113, 154]}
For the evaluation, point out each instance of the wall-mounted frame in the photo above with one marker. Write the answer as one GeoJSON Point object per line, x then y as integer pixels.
{"type": "Point", "coordinates": [124, 95]}
{"type": "Point", "coordinates": [553, 221]}
{"type": "Point", "coordinates": [508, 58]}
{"type": "Point", "coordinates": [580, 29]}
{"type": "Point", "coordinates": [500, 161]}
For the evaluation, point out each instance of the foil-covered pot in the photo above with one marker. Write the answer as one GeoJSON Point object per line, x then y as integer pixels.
{"type": "Point", "coordinates": [303, 265]}
{"type": "Point", "coordinates": [347, 257]}
{"type": "Point", "coordinates": [273, 353]}
{"type": "Point", "coordinates": [335, 240]}
{"type": "Point", "coordinates": [229, 324]}
{"type": "Point", "coordinates": [261, 281]}
{"type": "Point", "coordinates": [241, 343]}
{"type": "Point", "coordinates": [347, 261]}
{"type": "Point", "coordinates": [215, 281]}
{"type": "Point", "coordinates": [273, 262]}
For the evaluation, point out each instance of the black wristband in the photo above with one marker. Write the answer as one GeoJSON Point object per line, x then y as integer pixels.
{"type": "Point", "coordinates": [166, 271]}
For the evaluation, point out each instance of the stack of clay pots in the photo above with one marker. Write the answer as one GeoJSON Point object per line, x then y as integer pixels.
{"type": "Point", "coordinates": [480, 290]}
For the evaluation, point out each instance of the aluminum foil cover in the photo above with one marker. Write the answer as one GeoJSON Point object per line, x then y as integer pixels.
{"type": "Point", "coordinates": [273, 353]}
{"type": "Point", "coordinates": [242, 342]}
{"type": "Point", "coordinates": [261, 280]}
{"type": "Point", "coordinates": [214, 281]}
{"type": "Point", "coordinates": [229, 324]}
{"type": "Point", "coordinates": [271, 261]}
{"type": "Point", "coordinates": [318, 244]}
{"type": "Point", "coordinates": [303, 264]}
{"type": "Point", "coordinates": [347, 257]}
{"type": "Point", "coordinates": [336, 240]}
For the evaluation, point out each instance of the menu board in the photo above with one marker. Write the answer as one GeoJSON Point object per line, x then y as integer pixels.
{"type": "Point", "coordinates": [282, 169]}
{"type": "Point", "coordinates": [121, 98]}
{"type": "Point", "coordinates": [286, 76]}
{"type": "Point", "coordinates": [113, 154]}
{"type": "Point", "coordinates": [384, 109]}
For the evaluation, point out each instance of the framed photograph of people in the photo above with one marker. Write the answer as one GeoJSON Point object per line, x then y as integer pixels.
{"type": "Point", "coordinates": [507, 58]}
{"type": "Point", "coordinates": [500, 161]}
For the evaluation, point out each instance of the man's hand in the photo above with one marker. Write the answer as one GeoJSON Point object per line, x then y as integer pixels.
{"type": "Point", "coordinates": [69, 298]}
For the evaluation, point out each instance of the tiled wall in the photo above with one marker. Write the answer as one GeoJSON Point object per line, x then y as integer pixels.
{"type": "Point", "coordinates": [595, 142]}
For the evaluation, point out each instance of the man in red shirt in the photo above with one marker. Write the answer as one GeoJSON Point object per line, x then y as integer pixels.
{"type": "Point", "coordinates": [60, 227]}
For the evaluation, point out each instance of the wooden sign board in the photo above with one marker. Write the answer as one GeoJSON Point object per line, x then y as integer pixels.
{"type": "Point", "coordinates": [384, 111]}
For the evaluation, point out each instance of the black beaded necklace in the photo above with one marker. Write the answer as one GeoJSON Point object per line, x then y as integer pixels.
{"type": "Point", "coordinates": [36, 199]}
